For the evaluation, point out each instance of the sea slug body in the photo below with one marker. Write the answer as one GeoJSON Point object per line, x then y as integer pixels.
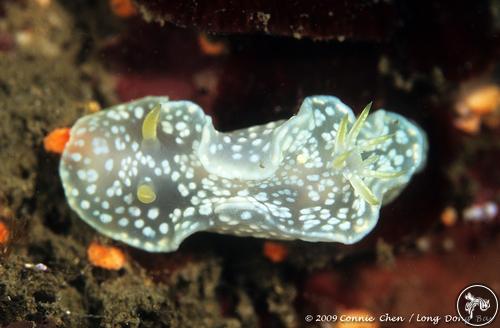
{"type": "Point", "coordinates": [152, 172]}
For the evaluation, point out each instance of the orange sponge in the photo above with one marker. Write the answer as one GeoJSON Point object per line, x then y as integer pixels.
{"type": "Point", "coordinates": [123, 8]}
{"type": "Point", "coordinates": [275, 252]}
{"type": "Point", "coordinates": [55, 141]}
{"type": "Point", "coordinates": [211, 48]}
{"type": "Point", "coordinates": [4, 233]}
{"type": "Point", "coordinates": [106, 257]}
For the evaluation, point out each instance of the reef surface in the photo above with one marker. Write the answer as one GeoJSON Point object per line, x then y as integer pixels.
{"type": "Point", "coordinates": [435, 64]}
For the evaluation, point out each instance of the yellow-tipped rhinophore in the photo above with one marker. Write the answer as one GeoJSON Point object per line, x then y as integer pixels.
{"type": "Point", "coordinates": [339, 161]}
{"type": "Point", "coordinates": [370, 160]}
{"type": "Point", "coordinates": [341, 134]}
{"type": "Point", "coordinates": [150, 123]}
{"type": "Point", "coordinates": [368, 144]}
{"type": "Point", "coordinates": [356, 128]}
{"type": "Point", "coordinates": [363, 190]}
{"type": "Point", "coordinates": [382, 174]}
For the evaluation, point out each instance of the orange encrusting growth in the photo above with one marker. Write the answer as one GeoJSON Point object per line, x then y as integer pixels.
{"type": "Point", "coordinates": [55, 141]}
{"type": "Point", "coordinates": [92, 106]}
{"type": "Point", "coordinates": [449, 216]}
{"type": "Point", "coordinates": [106, 257]}
{"type": "Point", "coordinates": [209, 47]}
{"type": "Point", "coordinates": [123, 8]}
{"type": "Point", "coordinates": [484, 100]}
{"type": "Point", "coordinates": [275, 252]}
{"type": "Point", "coordinates": [4, 233]}
{"type": "Point", "coordinates": [469, 124]}
{"type": "Point", "coordinates": [476, 106]}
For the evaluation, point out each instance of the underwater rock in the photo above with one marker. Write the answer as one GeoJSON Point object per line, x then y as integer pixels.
{"type": "Point", "coordinates": [320, 20]}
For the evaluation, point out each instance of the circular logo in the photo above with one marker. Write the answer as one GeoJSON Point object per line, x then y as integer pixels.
{"type": "Point", "coordinates": [477, 305]}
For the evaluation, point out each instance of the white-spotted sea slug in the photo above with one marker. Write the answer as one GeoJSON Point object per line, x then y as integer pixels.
{"type": "Point", "coordinates": [152, 172]}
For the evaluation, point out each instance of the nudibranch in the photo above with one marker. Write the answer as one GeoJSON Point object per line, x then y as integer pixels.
{"type": "Point", "coordinates": [153, 171]}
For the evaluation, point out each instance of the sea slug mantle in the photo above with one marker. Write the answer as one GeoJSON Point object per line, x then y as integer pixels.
{"type": "Point", "coordinates": [152, 172]}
